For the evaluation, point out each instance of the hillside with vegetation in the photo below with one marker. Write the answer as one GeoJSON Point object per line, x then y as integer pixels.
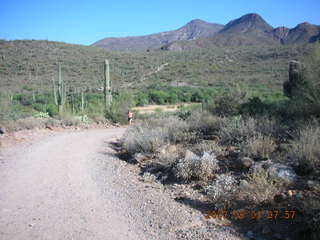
{"type": "Point", "coordinates": [28, 69]}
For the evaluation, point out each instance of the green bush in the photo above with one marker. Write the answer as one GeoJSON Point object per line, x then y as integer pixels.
{"type": "Point", "coordinates": [52, 110]}
{"type": "Point", "coordinates": [142, 99]}
{"type": "Point", "coordinates": [254, 106]}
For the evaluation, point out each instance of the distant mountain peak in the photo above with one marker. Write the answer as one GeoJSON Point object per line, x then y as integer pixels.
{"type": "Point", "coordinates": [195, 21]}
{"type": "Point", "coordinates": [246, 23]}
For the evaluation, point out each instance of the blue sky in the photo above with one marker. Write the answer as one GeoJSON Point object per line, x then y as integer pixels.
{"type": "Point", "coordinates": [84, 22]}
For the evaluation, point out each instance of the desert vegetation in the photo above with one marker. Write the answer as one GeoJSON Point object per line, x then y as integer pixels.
{"type": "Point", "coordinates": [243, 152]}
{"type": "Point", "coordinates": [250, 140]}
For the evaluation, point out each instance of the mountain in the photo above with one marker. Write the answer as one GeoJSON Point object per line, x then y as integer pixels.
{"type": "Point", "coordinates": [304, 32]}
{"type": "Point", "coordinates": [248, 23]}
{"type": "Point", "coordinates": [193, 30]}
{"type": "Point", "coordinates": [252, 29]}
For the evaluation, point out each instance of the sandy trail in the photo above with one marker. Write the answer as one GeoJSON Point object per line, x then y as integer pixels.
{"type": "Point", "coordinates": [48, 191]}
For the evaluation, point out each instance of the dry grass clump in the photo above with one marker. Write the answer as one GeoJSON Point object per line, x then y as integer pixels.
{"type": "Point", "coordinates": [149, 177]}
{"type": "Point", "coordinates": [259, 147]}
{"type": "Point", "coordinates": [237, 130]}
{"type": "Point", "coordinates": [306, 147]}
{"type": "Point", "coordinates": [25, 123]}
{"type": "Point", "coordinates": [194, 167]}
{"type": "Point", "coordinates": [270, 127]}
{"type": "Point", "coordinates": [154, 133]}
{"type": "Point", "coordinates": [207, 146]}
{"type": "Point", "coordinates": [205, 123]}
{"type": "Point", "coordinates": [222, 190]}
{"type": "Point", "coordinates": [69, 120]}
{"type": "Point", "coordinates": [259, 187]}
{"type": "Point", "coordinates": [138, 139]}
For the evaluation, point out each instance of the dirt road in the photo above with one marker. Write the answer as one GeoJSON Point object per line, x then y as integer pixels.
{"type": "Point", "coordinates": [70, 186]}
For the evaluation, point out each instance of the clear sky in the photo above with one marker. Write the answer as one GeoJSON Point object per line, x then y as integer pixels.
{"type": "Point", "coordinates": [84, 22]}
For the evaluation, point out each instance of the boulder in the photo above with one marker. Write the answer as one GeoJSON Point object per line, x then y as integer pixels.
{"type": "Point", "coordinates": [245, 162]}
{"type": "Point", "coordinates": [282, 172]}
{"type": "Point", "coordinates": [258, 166]}
{"type": "Point", "coordinates": [167, 149]}
{"type": "Point", "coordinates": [191, 156]}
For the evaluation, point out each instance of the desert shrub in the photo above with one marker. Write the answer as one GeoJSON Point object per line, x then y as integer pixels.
{"type": "Point", "coordinates": [254, 106]}
{"type": "Point", "coordinates": [236, 130]}
{"type": "Point", "coordinates": [145, 140]}
{"type": "Point", "coordinates": [24, 99]}
{"type": "Point", "coordinates": [120, 105]}
{"type": "Point", "coordinates": [268, 126]}
{"type": "Point", "coordinates": [207, 146]}
{"type": "Point", "coordinates": [306, 147]}
{"type": "Point", "coordinates": [166, 160]}
{"type": "Point", "coordinates": [205, 123]}
{"type": "Point", "coordinates": [222, 190]}
{"type": "Point", "coordinates": [52, 110]}
{"type": "Point", "coordinates": [228, 104]}
{"type": "Point", "coordinates": [158, 97]}
{"type": "Point", "coordinates": [176, 130]}
{"type": "Point", "coordinates": [259, 187]}
{"type": "Point", "coordinates": [29, 123]}
{"type": "Point", "coordinates": [142, 99]}
{"type": "Point", "coordinates": [98, 118]}
{"type": "Point", "coordinates": [193, 167]}
{"type": "Point", "coordinates": [69, 120]}
{"type": "Point", "coordinates": [51, 122]}
{"type": "Point", "coordinates": [259, 147]}
{"type": "Point", "coordinates": [156, 132]}
{"type": "Point", "coordinates": [149, 177]}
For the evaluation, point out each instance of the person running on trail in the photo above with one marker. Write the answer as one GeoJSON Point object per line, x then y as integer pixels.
{"type": "Point", "coordinates": [130, 116]}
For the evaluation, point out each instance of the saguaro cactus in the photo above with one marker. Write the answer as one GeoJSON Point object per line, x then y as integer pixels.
{"type": "Point", "coordinates": [107, 86]}
{"type": "Point", "coordinates": [294, 86]}
{"type": "Point", "coordinates": [59, 91]}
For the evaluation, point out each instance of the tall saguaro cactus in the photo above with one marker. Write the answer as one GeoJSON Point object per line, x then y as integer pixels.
{"type": "Point", "coordinates": [59, 91]}
{"type": "Point", "coordinates": [107, 86]}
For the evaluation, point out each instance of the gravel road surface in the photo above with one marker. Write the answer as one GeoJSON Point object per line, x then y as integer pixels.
{"type": "Point", "coordinates": [71, 186]}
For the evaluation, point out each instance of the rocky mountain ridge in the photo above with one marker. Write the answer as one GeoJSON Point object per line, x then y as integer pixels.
{"type": "Point", "coordinates": [250, 29]}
